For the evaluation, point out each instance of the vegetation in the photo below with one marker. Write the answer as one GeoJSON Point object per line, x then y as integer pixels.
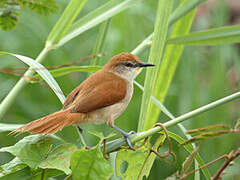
{"type": "Point", "coordinates": [197, 71]}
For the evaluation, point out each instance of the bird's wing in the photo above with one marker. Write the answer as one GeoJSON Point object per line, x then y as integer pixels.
{"type": "Point", "coordinates": [98, 91]}
{"type": "Point", "coordinates": [71, 97]}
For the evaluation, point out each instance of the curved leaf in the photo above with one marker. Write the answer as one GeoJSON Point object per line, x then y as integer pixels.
{"type": "Point", "coordinates": [42, 71]}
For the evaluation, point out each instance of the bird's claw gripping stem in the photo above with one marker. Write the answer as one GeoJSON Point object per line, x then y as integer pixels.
{"type": "Point", "coordinates": [126, 136]}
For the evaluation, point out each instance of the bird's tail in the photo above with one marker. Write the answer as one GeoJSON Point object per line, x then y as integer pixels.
{"type": "Point", "coordinates": [49, 124]}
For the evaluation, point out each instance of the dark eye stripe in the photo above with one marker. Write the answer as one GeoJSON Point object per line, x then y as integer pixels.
{"type": "Point", "coordinates": [131, 64]}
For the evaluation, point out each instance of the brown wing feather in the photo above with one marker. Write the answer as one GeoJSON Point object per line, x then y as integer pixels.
{"type": "Point", "coordinates": [71, 97]}
{"type": "Point", "coordinates": [99, 90]}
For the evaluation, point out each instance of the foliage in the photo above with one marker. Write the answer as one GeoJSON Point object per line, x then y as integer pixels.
{"type": "Point", "coordinates": [9, 10]}
{"type": "Point", "coordinates": [41, 157]}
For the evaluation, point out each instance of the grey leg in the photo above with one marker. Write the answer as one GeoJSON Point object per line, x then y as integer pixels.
{"type": "Point", "coordinates": [125, 135]}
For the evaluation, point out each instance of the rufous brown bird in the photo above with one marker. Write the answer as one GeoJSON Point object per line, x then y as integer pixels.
{"type": "Point", "coordinates": [101, 98]}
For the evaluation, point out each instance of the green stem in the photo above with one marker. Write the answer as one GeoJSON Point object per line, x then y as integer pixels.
{"type": "Point", "coordinates": [9, 99]}
{"type": "Point", "coordinates": [142, 135]}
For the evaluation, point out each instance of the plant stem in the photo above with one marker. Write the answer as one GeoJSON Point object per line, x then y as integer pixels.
{"type": "Point", "coordinates": [9, 99]}
{"type": "Point", "coordinates": [111, 146]}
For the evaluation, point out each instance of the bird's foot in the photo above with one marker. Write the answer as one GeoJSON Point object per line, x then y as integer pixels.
{"type": "Point", "coordinates": [126, 135]}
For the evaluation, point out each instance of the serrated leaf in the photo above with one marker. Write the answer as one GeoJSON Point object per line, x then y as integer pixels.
{"type": "Point", "coordinates": [14, 165]}
{"type": "Point", "coordinates": [43, 6]}
{"type": "Point", "coordinates": [133, 162]}
{"type": "Point", "coordinates": [90, 165]}
{"type": "Point", "coordinates": [8, 20]}
{"type": "Point", "coordinates": [59, 158]}
{"type": "Point", "coordinates": [31, 150]}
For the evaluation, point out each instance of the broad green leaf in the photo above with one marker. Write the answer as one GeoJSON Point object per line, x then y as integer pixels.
{"type": "Point", "coordinates": [9, 127]}
{"type": "Point", "coordinates": [216, 36]}
{"type": "Point", "coordinates": [97, 16]}
{"type": "Point", "coordinates": [14, 165]}
{"type": "Point", "coordinates": [59, 158]}
{"type": "Point", "coordinates": [190, 149]}
{"type": "Point", "coordinates": [20, 174]}
{"type": "Point", "coordinates": [42, 71]}
{"type": "Point", "coordinates": [129, 163]}
{"type": "Point", "coordinates": [66, 70]}
{"type": "Point", "coordinates": [31, 150]}
{"type": "Point", "coordinates": [65, 21]}
{"type": "Point", "coordinates": [90, 165]}
{"type": "Point", "coordinates": [155, 57]}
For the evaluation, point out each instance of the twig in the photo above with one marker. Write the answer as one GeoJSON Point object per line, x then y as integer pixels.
{"type": "Point", "coordinates": [230, 158]}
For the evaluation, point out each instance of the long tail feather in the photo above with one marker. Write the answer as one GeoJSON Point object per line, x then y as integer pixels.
{"type": "Point", "coordinates": [49, 124]}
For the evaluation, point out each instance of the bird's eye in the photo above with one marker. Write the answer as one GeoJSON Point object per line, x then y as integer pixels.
{"type": "Point", "coordinates": [129, 65]}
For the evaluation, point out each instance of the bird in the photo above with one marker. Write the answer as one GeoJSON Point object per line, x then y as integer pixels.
{"type": "Point", "coordinates": [101, 98]}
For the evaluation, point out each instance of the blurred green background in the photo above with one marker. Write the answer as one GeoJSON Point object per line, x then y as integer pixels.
{"type": "Point", "coordinates": [204, 74]}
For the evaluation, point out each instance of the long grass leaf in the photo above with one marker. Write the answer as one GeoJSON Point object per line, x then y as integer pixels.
{"type": "Point", "coordinates": [42, 71]}
{"type": "Point", "coordinates": [156, 54]}
{"type": "Point", "coordinates": [97, 16]}
{"type": "Point", "coordinates": [65, 21]}
{"type": "Point", "coordinates": [216, 36]}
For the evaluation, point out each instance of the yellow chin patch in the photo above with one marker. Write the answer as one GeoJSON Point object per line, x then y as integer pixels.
{"type": "Point", "coordinates": [138, 70]}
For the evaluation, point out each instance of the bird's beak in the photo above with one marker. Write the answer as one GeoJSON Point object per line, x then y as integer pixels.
{"type": "Point", "coordinates": [143, 64]}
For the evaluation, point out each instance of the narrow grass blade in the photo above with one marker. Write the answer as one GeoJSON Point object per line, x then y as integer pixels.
{"type": "Point", "coordinates": [216, 36]}
{"type": "Point", "coordinates": [9, 127]}
{"type": "Point", "coordinates": [65, 21]}
{"type": "Point", "coordinates": [167, 69]}
{"type": "Point", "coordinates": [97, 16]}
{"type": "Point", "coordinates": [184, 8]}
{"type": "Point", "coordinates": [67, 70]}
{"type": "Point", "coordinates": [99, 45]}
{"type": "Point", "coordinates": [156, 54]}
{"type": "Point", "coordinates": [42, 71]}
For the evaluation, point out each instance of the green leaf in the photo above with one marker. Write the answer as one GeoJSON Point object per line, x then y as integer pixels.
{"type": "Point", "coordinates": [8, 20]}
{"type": "Point", "coordinates": [31, 150]}
{"type": "Point", "coordinates": [42, 71]}
{"type": "Point", "coordinates": [129, 163]}
{"type": "Point", "coordinates": [190, 149]}
{"type": "Point", "coordinates": [101, 38]}
{"type": "Point", "coordinates": [148, 163]}
{"type": "Point", "coordinates": [167, 68]}
{"type": "Point", "coordinates": [42, 6]}
{"type": "Point", "coordinates": [97, 16]}
{"type": "Point", "coordinates": [216, 36]}
{"type": "Point", "coordinates": [9, 127]}
{"type": "Point", "coordinates": [184, 8]}
{"type": "Point", "coordinates": [90, 165]}
{"type": "Point", "coordinates": [59, 158]}
{"type": "Point", "coordinates": [14, 165]}
{"type": "Point", "coordinates": [67, 70]}
{"type": "Point", "coordinates": [65, 22]}
{"type": "Point", "coordinates": [155, 57]}
{"type": "Point", "coordinates": [20, 174]}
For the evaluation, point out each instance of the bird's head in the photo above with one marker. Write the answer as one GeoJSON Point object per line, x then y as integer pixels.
{"type": "Point", "coordinates": [126, 65]}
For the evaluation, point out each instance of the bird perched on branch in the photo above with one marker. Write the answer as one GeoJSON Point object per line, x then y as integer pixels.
{"type": "Point", "coordinates": [101, 98]}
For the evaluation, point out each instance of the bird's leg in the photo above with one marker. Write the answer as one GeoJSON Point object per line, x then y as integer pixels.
{"type": "Point", "coordinates": [125, 135]}
{"type": "Point", "coordinates": [80, 131]}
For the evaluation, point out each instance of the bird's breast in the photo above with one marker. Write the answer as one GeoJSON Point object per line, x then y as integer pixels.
{"type": "Point", "coordinates": [110, 113]}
